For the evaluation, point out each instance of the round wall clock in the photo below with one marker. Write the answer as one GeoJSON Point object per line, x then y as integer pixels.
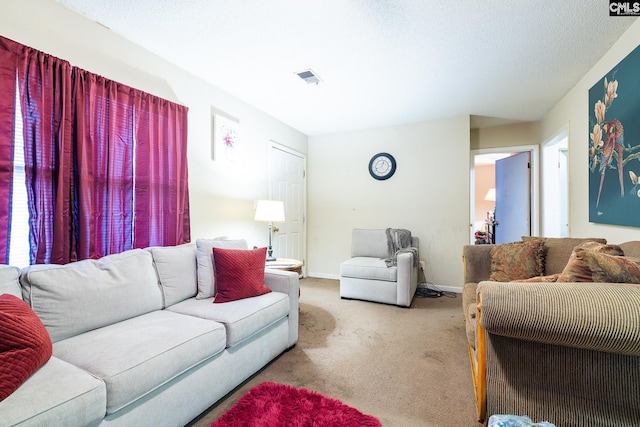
{"type": "Point", "coordinates": [382, 166]}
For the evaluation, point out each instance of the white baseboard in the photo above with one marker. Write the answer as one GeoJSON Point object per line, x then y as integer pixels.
{"type": "Point", "coordinates": [453, 289]}
{"type": "Point", "coordinates": [324, 276]}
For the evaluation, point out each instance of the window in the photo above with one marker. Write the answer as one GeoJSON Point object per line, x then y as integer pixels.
{"type": "Point", "coordinates": [19, 248]}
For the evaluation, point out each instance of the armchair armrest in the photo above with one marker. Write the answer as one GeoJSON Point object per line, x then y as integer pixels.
{"type": "Point", "coordinates": [407, 278]}
{"type": "Point", "coordinates": [286, 282]}
{"type": "Point", "coordinates": [591, 316]}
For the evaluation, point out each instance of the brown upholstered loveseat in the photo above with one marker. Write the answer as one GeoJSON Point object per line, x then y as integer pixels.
{"type": "Point", "coordinates": [567, 353]}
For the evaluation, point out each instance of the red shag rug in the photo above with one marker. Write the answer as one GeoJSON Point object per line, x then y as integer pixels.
{"type": "Point", "coordinates": [279, 405]}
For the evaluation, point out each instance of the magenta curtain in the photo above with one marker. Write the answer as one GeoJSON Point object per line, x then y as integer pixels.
{"type": "Point", "coordinates": [103, 127]}
{"type": "Point", "coordinates": [83, 178]}
{"type": "Point", "coordinates": [8, 66]}
{"type": "Point", "coordinates": [161, 192]}
{"type": "Point", "coordinates": [45, 86]}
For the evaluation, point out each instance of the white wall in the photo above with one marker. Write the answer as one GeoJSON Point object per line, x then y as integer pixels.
{"type": "Point", "coordinates": [429, 193]}
{"type": "Point", "coordinates": [573, 110]}
{"type": "Point", "coordinates": [221, 193]}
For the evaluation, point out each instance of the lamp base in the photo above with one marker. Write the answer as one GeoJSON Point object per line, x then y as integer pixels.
{"type": "Point", "coordinates": [271, 258]}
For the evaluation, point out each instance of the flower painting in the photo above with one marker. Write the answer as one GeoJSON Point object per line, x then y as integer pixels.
{"type": "Point", "coordinates": [226, 136]}
{"type": "Point", "coordinates": [614, 145]}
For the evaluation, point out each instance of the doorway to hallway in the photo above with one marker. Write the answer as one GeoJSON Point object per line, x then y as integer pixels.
{"type": "Point", "coordinates": [482, 178]}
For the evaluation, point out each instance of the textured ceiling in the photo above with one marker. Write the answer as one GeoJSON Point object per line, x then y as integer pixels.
{"type": "Point", "coordinates": [382, 62]}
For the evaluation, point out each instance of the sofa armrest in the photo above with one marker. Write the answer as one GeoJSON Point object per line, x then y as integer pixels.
{"type": "Point", "coordinates": [286, 282]}
{"type": "Point", "coordinates": [476, 261]}
{"type": "Point", "coordinates": [407, 278]}
{"type": "Point", "coordinates": [592, 316]}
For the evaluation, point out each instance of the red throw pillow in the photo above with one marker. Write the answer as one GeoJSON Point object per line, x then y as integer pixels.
{"type": "Point", "coordinates": [239, 273]}
{"type": "Point", "coordinates": [25, 344]}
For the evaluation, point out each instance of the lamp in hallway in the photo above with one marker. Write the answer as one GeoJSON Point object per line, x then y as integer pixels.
{"type": "Point", "coordinates": [491, 195]}
{"type": "Point", "coordinates": [270, 211]}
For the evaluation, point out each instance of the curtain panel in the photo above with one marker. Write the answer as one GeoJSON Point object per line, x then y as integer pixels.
{"type": "Point", "coordinates": [162, 192]}
{"type": "Point", "coordinates": [47, 114]}
{"type": "Point", "coordinates": [94, 149]}
{"type": "Point", "coordinates": [103, 126]}
{"type": "Point", "coordinates": [9, 53]}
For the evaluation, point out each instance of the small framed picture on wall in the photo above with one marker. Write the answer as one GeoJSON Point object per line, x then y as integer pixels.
{"type": "Point", "coordinates": [225, 135]}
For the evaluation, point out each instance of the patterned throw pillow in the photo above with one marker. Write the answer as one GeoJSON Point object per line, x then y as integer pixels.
{"type": "Point", "coordinates": [516, 261]}
{"type": "Point", "coordinates": [239, 273]}
{"type": "Point", "coordinates": [540, 279]}
{"type": "Point", "coordinates": [557, 250]}
{"type": "Point", "coordinates": [25, 344]}
{"type": "Point", "coordinates": [604, 263]}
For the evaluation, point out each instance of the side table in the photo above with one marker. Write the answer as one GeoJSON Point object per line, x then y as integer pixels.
{"type": "Point", "coordinates": [287, 264]}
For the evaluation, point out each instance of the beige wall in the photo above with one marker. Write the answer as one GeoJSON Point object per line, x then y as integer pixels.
{"type": "Point", "coordinates": [429, 193]}
{"type": "Point", "coordinates": [573, 110]}
{"type": "Point", "coordinates": [512, 135]}
{"type": "Point", "coordinates": [221, 193]}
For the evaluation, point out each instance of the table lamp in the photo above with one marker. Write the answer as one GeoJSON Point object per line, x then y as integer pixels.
{"type": "Point", "coordinates": [270, 211]}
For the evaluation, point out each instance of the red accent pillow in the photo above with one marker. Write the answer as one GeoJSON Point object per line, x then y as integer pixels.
{"type": "Point", "coordinates": [25, 344]}
{"type": "Point", "coordinates": [239, 273]}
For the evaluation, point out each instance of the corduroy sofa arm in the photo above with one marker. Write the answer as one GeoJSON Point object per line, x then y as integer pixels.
{"type": "Point", "coordinates": [593, 316]}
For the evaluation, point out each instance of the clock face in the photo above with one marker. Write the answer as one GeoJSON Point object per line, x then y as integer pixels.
{"type": "Point", "coordinates": [382, 166]}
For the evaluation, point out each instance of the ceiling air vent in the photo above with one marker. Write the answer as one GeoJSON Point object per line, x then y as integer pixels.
{"type": "Point", "coordinates": [309, 76]}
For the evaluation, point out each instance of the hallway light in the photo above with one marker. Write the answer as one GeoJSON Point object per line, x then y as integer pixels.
{"type": "Point", "coordinates": [491, 195]}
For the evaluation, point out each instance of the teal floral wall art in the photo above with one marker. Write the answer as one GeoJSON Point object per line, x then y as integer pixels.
{"type": "Point", "coordinates": [614, 145]}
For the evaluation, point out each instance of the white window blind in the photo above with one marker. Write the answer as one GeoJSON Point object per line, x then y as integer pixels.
{"type": "Point", "coordinates": [19, 244]}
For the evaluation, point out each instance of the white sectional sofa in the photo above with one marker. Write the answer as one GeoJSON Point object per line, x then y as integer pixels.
{"type": "Point", "coordinates": [132, 346]}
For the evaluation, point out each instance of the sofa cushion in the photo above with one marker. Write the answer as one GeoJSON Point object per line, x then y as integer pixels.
{"type": "Point", "coordinates": [204, 255]}
{"type": "Point", "coordinates": [369, 243]}
{"type": "Point", "coordinates": [238, 274]}
{"type": "Point", "coordinates": [24, 344]}
{"type": "Point", "coordinates": [9, 280]}
{"type": "Point", "coordinates": [80, 296]}
{"type": "Point", "coordinates": [368, 268]}
{"type": "Point", "coordinates": [557, 251]}
{"type": "Point", "coordinates": [57, 394]}
{"type": "Point", "coordinates": [518, 260]}
{"type": "Point", "coordinates": [631, 248]}
{"type": "Point", "coordinates": [592, 266]}
{"type": "Point", "coordinates": [138, 355]}
{"type": "Point", "coordinates": [176, 267]}
{"type": "Point", "coordinates": [241, 318]}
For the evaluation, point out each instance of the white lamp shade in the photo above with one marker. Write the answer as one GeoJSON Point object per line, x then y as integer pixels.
{"type": "Point", "coordinates": [491, 195]}
{"type": "Point", "coordinates": [270, 211]}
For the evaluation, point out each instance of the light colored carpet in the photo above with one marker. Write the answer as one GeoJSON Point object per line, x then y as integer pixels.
{"type": "Point", "coordinates": [406, 366]}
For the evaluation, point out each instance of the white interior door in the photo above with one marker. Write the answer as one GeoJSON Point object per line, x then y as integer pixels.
{"type": "Point", "coordinates": [287, 183]}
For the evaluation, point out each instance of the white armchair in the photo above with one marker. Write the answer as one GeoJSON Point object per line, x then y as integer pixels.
{"type": "Point", "coordinates": [382, 267]}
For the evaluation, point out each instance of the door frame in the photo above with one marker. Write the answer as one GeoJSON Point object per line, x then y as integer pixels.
{"type": "Point", "coordinates": [278, 146]}
{"type": "Point", "coordinates": [553, 146]}
{"type": "Point", "coordinates": [534, 151]}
